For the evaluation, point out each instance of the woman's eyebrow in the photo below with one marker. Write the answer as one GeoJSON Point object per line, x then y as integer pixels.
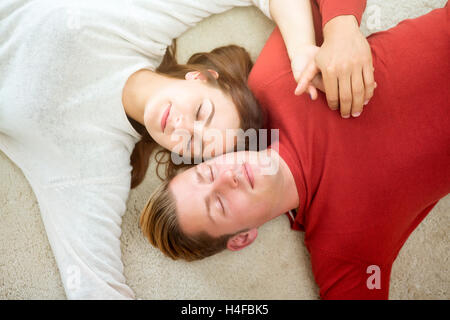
{"type": "Point", "coordinates": [211, 115]}
{"type": "Point", "coordinates": [208, 121]}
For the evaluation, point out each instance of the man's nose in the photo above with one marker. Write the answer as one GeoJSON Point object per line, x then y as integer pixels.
{"type": "Point", "coordinates": [227, 179]}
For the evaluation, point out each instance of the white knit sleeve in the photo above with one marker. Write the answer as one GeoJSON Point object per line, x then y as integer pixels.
{"type": "Point", "coordinates": [263, 5]}
{"type": "Point", "coordinates": [83, 225]}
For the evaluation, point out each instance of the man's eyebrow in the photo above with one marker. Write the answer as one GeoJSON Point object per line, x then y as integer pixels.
{"type": "Point", "coordinates": [199, 176]}
{"type": "Point", "coordinates": [208, 208]}
{"type": "Point", "coordinates": [207, 200]}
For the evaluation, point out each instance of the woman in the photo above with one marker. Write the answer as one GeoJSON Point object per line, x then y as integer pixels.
{"type": "Point", "coordinates": [72, 75]}
{"type": "Point", "coordinates": [169, 107]}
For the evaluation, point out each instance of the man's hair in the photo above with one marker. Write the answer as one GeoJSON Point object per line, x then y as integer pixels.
{"type": "Point", "coordinates": [160, 225]}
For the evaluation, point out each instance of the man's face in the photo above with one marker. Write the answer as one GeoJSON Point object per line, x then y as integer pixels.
{"type": "Point", "coordinates": [226, 194]}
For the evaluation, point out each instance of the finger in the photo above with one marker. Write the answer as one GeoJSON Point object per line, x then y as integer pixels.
{"type": "Point", "coordinates": [369, 83]}
{"type": "Point", "coordinates": [317, 82]}
{"type": "Point", "coordinates": [306, 77]}
{"type": "Point", "coordinates": [357, 92]}
{"type": "Point", "coordinates": [312, 92]}
{"type": "Point", "coordinates": [299, 90]}
{"type": "Point", "coordinates": [345, 96]}
{"type": "Point", "coordinates": [330, 83]}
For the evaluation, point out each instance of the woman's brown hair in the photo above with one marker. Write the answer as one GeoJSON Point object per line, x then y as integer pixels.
{"type": "Point", "coordinates": [233, 64]}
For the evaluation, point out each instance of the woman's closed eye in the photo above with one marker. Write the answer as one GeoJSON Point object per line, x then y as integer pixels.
{"type": "Point", "coordinates": [198, 111]}
{"type": "Point", "coordinates": [198, 116]}
{"type": "Point", "coordinates": [205, 112]}
{"type": "Point", "coordinates": [189, 144]}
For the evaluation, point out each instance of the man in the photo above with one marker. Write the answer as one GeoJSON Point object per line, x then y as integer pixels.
{"type": "Point", "coordinates": [359, 187]}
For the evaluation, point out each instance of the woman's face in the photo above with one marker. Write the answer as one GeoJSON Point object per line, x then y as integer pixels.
{"type": "Point", "coordinates": [191, 117]}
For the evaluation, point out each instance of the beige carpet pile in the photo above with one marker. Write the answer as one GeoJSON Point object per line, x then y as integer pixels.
{"type": "Point", "coordinates": [276, 266]}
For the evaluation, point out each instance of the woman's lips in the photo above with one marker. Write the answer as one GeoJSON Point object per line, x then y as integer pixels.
{"type": "Point", "coordinates": [249, 174]}
{"type": "Point", "coordinates": [164, 117]}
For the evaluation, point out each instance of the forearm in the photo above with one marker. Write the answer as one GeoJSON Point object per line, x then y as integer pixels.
{"type": "Point", "coordinates": [340, 26]}
{"type": "Point", "coordinates": [330, 9]}
{"type": "Point", "coordinates": [345, 58]}
{"type": "Point", "coordinates": [294, 19]}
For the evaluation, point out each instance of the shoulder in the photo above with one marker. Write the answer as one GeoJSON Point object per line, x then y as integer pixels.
{"type": "Point", "coordinates": [272, 64]}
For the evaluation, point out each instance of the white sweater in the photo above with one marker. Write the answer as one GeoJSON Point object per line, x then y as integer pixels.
{"type": "Point", "coordinates": [63, 65]}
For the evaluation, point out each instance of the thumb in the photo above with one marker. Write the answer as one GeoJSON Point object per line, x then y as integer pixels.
{"type": "Point", "coordinates": [297, 74]}
{"type": "Point", "coordinates": [306, 77]}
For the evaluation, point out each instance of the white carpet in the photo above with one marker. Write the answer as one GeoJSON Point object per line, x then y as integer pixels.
{"type": "Point", "coordinates": [276, 266]}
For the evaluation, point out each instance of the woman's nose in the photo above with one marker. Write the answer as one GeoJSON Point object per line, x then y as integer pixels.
{"type": "Point", "coordinates": [178, 122]}
{"type": "Point", "coordinates": [177, 125]}
{"type": "Point", "coordinates": [181, 122]}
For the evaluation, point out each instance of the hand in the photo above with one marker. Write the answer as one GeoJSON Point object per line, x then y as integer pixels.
{"type": "Point", "coordinates": [345, 60]}
{"type": "Point", "coordinates": [300, 61]}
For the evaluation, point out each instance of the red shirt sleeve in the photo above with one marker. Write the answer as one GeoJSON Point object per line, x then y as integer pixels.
{"type": "Point", "coordinates": [345, 279]}
{"type": "Point", "coordinates": [330, 9]}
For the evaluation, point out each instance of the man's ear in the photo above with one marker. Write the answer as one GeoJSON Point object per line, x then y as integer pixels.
{"type": "Point", "coordinates": [197, 75]}
{"type": "Point", "coordinates": [241, 240]}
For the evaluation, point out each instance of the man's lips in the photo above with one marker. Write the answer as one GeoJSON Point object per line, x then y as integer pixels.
{"type": "Point", "coordinates": [249, 174]}
{"type": "Point", "coordinates": [164, 117]}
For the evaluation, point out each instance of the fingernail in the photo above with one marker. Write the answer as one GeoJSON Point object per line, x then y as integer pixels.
{"type": "Point", "coordinates": [346, 116]}
{"type": "Point", "coordinates": [366, 103]}
{"type": "Point", "coordinates": [310, 95]}
{"type": "Point", "coordinates": [356, 114]}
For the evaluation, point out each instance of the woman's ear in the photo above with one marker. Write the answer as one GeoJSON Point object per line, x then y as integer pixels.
{"type": "Point", "coordinates": [197, 75]}
{"type": "Point", "coordinates": [214, 73]}
{"type": "Point", "coordinates": [241, 240]}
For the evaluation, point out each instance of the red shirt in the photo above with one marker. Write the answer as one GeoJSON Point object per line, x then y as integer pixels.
{"type": "Point", "coordinates": [325, 10]}
{"type": "Point", "coordinates": [365, 183]}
